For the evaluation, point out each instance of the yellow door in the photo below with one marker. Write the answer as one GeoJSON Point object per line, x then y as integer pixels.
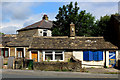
{"type": "Point", "coordinates": [34, 57]}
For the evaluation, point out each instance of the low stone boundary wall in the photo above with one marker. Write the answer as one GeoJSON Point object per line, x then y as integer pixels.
{"type": "Point", "coordinates": [57, 66]}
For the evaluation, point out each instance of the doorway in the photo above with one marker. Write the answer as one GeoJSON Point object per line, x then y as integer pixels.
{"type": "Point", "coordinates": [35, 56]}
{"type": "Point", "coordinates": [112, 59]}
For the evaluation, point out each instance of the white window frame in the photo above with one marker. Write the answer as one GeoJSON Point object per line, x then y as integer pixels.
{"type": "Point", "coordinates": [53, 53]}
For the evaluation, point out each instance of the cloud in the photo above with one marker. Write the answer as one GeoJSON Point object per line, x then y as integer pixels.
{"type": "Point", "coordinates": [13, 25]}
{"type": "Point", "coordinates": [9, 30]}
{"type": "Point", "coordinates": [15, 10]}
{"type": "Point", "coordinates": [18, 15]}
{"type": "Point", "coordinates": [98, 9]}
{"type": "Point", "coordinates": [35, 18]}
{"type": "Point", "coordinates": [60, 0]}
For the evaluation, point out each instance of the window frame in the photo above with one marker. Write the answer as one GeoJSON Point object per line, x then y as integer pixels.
{"type": "Point", "coordinates": [4, 52]}
{"type": "Point", "coordinates": [53, 55]}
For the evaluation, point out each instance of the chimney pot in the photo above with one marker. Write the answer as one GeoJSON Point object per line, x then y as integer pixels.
{"type": "Point", "coordinates": [45, 17]}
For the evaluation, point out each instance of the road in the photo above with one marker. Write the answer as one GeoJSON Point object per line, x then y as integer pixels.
{"type": "Point", "coordinates": [52, 74]}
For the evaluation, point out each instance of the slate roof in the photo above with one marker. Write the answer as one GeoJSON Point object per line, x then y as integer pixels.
{"type": "Point", "coordinates": [4, 39]}
{"type": "Point", "coordinates": [20, 42]}
{"type": "Point", "coordinates": [43, 24]}
{"type": "Point", "coordinates": [67, 43]}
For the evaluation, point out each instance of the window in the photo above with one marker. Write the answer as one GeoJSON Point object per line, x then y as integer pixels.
{"type": "Point", "coordinates": [53, 55]}
{"type": "Point", "coordinates": [58, 56]}
{"type": "Point", "coordinates": [92, 55]}
{"type": "Point", "coordinates": [4, 52]}
{"type": "Point", "coordinates": [48, 56]}
{"type": "Point", "coordinates": [20, 52]}
{"type": "Point", "coordinates": [45, 32]}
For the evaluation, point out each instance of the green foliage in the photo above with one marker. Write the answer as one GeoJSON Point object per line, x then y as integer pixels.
{"type": "Point", "coordinates": [83, 21]}
{"type": "Point", "coordinates": [102, 26]}
{"type": "Point", "coordinates": [1, 33]}
{"type": "Point", "coordinates": [85, 24]}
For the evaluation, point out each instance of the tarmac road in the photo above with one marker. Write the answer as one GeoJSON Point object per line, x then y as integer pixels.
{"type": "Point", "coordinates": [52, 74]}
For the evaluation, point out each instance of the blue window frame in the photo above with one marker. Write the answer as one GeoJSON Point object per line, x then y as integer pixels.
{"type": "Point", "coordinates": [92, 55]}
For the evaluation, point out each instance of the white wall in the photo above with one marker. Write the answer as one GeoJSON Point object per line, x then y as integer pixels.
{"type": "Point", "coordinates": [89, 64]}
{"type": "Point", "coordinates": [107, 58]}
{"type": "Point", "coordinates": [96, 64]}
{"type": "Point", "coordinates": [117, 57]}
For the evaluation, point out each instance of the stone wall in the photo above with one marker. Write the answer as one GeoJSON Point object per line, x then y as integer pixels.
{"type": "Point", "coordinates": [5, 60]}
{"type": "Point", "coordinates": [26, 53]}
{"type": "Point", "coordinates": [28, 33]}
{"type": "Point", "coordinates": [40, 56]}
{"type": "Point", "coordinates": [12, 51]}
{"type": "Point", "coordinates": [68, 55]}
{"type": "Point", "coordinates": [57, 66]}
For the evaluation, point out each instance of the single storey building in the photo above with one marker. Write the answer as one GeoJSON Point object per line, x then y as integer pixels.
{"type": "Point", "coordinates": [36, 42]}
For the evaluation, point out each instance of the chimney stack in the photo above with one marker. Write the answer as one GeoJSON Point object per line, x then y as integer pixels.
{"type": "Point", "coordinates": [45, 17]}
{"type": "Point", "coordinates": [72, 30]}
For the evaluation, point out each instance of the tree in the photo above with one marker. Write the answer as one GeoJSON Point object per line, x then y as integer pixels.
{"type": "Point", "coordinates": [83, 21]}
{"type": "Point", "coordinates": [1, 33]}
{"type": "Point", "coordinates": [101, 27]}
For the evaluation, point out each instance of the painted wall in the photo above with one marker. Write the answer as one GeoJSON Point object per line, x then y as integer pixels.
{"type": "Point", "coordinates": [88, 64]}
{"type": "Point", "coordinates": [40, 32]}
{"type": "Point", "coordinates": [96, 64]}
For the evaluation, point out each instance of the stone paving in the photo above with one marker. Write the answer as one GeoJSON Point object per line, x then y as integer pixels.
{"type": "Point", "coordinates": [102, 70]}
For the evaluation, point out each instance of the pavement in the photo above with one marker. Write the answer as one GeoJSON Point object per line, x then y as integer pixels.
{"type": "Point", "coordinates": [103, 70]}
{"type": "Point", "coordinates": [9, 73]}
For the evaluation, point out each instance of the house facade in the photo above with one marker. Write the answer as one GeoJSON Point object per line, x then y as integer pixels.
{"type": "Point", "coordinates": [36, 42]}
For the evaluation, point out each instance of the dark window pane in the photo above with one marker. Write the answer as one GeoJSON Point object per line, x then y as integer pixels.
{"type": "Point", "coordinates": [2, 52]}
{"type": "Point", "coordinates": [48, 57]}
{"type": "Point", "coordinates": [44, 34]}
{"type": "Point", "coordinates": [58, 56]}
{"type": "Point", "coordinates": [6, 52]}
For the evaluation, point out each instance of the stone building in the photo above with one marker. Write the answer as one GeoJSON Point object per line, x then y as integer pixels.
{"type": "Point", "coordinates": [115, 20]}
{"type": "Point", "coordinates": [35, 42]}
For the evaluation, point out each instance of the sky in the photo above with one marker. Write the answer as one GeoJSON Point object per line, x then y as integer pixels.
{"type": "Point", "coordinates": [18, 14]}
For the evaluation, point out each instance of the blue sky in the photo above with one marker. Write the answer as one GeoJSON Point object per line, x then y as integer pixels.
{"type": "Point", "coordinates": [16, 15]}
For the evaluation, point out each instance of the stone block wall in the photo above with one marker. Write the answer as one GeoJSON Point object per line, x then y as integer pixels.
{"type": "Point", "coordinates": [5, 60]}
{"type": "Point", "coordinates": [57, 66]}
{"type": "Point", "coordinates": [28, 33]}
{"type": "Point", "coordinates": [67, 55]}
{"type": "Point", "coordinates": [12, 51]}
{"type": "Point", "coordinates": [26, 53]}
